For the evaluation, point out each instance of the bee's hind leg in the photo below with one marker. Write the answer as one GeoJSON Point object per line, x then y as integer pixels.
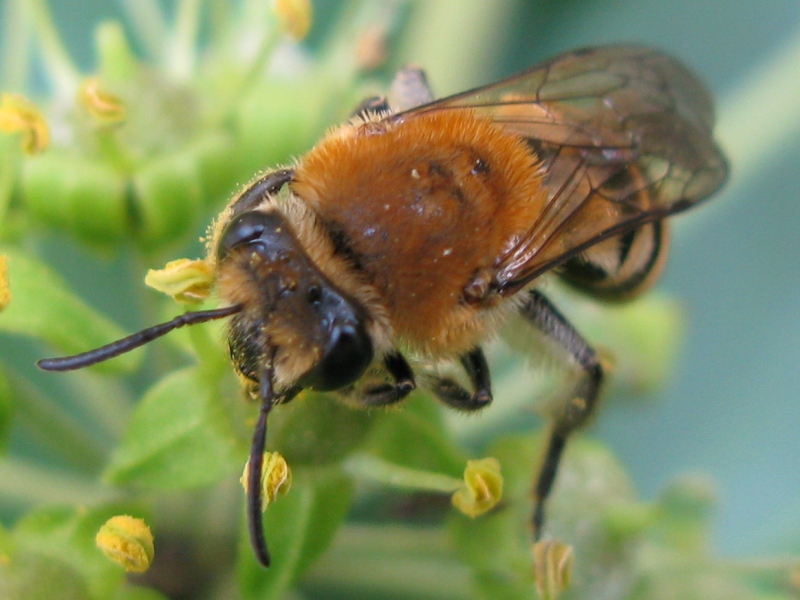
{"type": "Point", "coordinates": [546, 317]}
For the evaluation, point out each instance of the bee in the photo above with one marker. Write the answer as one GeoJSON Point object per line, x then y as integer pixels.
{"type": "Point", "coordinates": [420, 226]}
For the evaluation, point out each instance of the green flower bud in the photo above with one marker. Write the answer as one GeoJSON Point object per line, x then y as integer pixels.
{"type": "Point", "coordinates": [168, 198]}
{"type": "Point", "coordinates": [82, 196]}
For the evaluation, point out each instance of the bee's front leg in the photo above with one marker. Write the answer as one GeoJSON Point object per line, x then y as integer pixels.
{"type": "Point", "coordinates": [386, 394]}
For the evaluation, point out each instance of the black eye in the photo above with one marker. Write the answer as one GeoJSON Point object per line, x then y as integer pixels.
{"type": "Point", "coordinates": [347, 356]}
{"type": "Point", "coordinates": [242, 229]}
{"type": "Point", "coordinates": [314, 294]}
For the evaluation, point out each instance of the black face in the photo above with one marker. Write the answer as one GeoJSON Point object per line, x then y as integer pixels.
{"type": "Point", "coordinates": [298, 310]}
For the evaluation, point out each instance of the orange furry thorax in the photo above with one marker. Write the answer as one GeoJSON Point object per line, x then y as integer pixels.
{"type": "Point", "coordinates": [422, 207]}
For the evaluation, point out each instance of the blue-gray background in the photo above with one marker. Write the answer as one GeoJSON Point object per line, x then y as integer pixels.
{"type": "Point", "coordinates": [731, 410]}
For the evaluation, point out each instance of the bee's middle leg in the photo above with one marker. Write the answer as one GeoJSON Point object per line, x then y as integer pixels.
{"type": "Point", "coordinates": [455, 396]}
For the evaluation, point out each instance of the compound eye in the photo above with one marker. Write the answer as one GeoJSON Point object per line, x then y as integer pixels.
{"type": "Point", "coordinates": [347, 356]}
{"type": "Point", "coordinates": [245, 228]}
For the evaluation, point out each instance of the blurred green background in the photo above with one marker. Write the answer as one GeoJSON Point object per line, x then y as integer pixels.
{"type": "Point", "coordinates": [730, 410]}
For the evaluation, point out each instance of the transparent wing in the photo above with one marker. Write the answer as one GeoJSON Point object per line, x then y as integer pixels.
{"type": "Point", "coordinates": [624, 137]}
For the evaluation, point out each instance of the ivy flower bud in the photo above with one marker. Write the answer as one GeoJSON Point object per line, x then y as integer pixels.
{"type": "Point", "coordinates": [128, 542]}
{"type": "Point", "coordinates": [5, 290]}
{"type": "Point", "coordinates": [18, 114]}
{"type": "Point", "coordinates": [482, 488]}
{"type": "Point", "coordinates": [185, 280]}
{"type": "Point", "coordinates": [552, 563]}
{"type": "Point", "coordinates": [103, 106]}
{"type": "Point", "coordinates": [276, 478]}
{"type": "Point", "coordinates": [295, 17]}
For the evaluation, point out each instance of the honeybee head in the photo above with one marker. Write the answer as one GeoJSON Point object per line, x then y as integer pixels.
{"type": "Point", "coordinates": [290, 310]}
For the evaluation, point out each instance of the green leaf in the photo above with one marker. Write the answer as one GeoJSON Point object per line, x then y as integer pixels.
{"type": "Point", "coordinates": [57, 538]}
{"type": "Point", "coordinates": [415, 436]}
{"type": "Point", "coordinates": [684, 510]}
{"type": "Point", "coordinates": [495, 543]}
{"type": "Point", "coordinates": [42, 306]}
{"type": "Point", "coordinates": [50, 424]}
{"type": "Point", "coordinates": [317, 429]}
{"type": "Point", "coordinates": [179, 437]}
{"type": "Point", "coordinates": [647, 335]}
{"type": "Point", "coordinates": [31, 576]}
{"type": "Point", "coordinates": [299, 527]}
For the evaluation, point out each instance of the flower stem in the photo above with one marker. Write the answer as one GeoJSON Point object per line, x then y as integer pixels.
{"type": "Point", "coordinates": [390, 561]}
{"type": "Point", "coordinates": [57, 61]}
{"type": "Point", "coordinates": [16, 50]}
{"type": "Point", "coordinates": [148, 24]}
{"type": "Point", "coordinates": [385, 472]}
{"type": "Point", "coordinates": [181, 60]}
{"type": "Point", "coordinates": [23, 483]}
{"type": "Point", "coordinates": [249, 76]}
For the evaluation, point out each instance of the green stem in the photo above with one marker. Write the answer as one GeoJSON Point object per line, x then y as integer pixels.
{"type": "Point", "coordinates": [182, 57]}
{"type": "Point", "coordinates": [214, 362]}
{"type": "Point", "coordinates": [754, 140]}
{"type": "Point", "coordinates": [220, 17]}
{"type": "Point", "coordinates": [148, 25]}
{"type": "Point", "coordinates": [57, 61]}
{"type": "Point", "coordinates": [116, 59]}
{"type": "Point", "coordinates": [16, 50]}
{"type": "Point", "coordinates": [24, 484]}
{"type": "Point", "coordinates": [407, 562]}
{"type": "Point", "coordinates": [382, 471]}
{"type": "Point", "coordinates": [451, 63]}
{"type": "Point", "coordinates": [336, 56]}
{"type": "Point", "coordinates": [239, 89]}
{"type": "Point", "coordinates": [423, 543]}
